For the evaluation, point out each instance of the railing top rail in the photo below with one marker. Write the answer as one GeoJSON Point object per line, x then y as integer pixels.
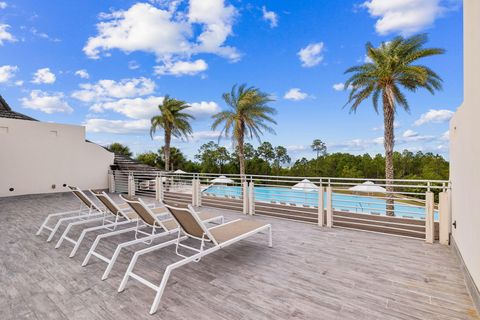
{"type": "Point", "coordinates": [314, 179]}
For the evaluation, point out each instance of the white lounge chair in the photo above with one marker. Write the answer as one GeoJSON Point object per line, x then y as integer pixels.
{"type": "Point", "coordinates": [88, 210]}
{"type": "Point", "coordinates": [119, 214]}
{"type": "Point", "coordinates": [192, 227]}
{"type": "Point", "coordinates": [149, 218]}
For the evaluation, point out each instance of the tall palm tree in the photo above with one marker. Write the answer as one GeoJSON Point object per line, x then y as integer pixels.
{"type": "Point", "coordinates": [173, 121]}
{"type": "Point", "coordinates": [391, 68]}
{"type": "Point", "coordinates": [247, 117]}
{"type": "Point", "coordinates": [320, 148]}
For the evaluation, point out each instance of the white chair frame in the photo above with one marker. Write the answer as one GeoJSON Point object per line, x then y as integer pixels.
{"type": "Point", "coordinates": [88, 210]}
{"type": "Point", "coordinates": [201, 252]}
{"type": "Point", "coordinates": [146, 239]}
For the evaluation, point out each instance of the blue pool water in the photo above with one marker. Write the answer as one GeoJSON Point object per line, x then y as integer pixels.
{"type": "Point", "coordinates": [342, 202]}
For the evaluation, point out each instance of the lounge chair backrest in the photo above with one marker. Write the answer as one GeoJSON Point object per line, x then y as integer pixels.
{"type": "Point", "coordinates": [142, 210]}
{"type": "Point", "coordinates": [188, 220]}
{"type": "Point", "coordinates": [107, 201]}
{"type": "Point", "coordinates": [83, 198]}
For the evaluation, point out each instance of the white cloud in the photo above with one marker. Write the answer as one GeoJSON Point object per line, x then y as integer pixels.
{"type": "Point", "coordinates": [403, 16]}
{"type": "Point", "coordinates": [216, 19]}
{"type": "Point", "coordinates": [203, 108]}
{"type": "Point", "coordinates": [167, 33]}
{"type": "Point", "coordinates": [44, 75]}
{"type": "Point", "coordinates": [180, 68]}
{"type": "Point", "coordinates": [145, 108]}
{"type": "Point", "coordinates": [339, 86]}
{"type": "Point", "coordinates": [445, 136]}
{"type": "Point", "coordinates": [270, 16]}
{"type": "Point", "coordinates": [5, 35]}
{"type": "Point", "coordinates": [413, 136]}
{"type": "Point", "coordinates": [7, 72]}
{"type": "Point", "coordinates": [43, 35]}
{"type": "Point", "coordinates": [355, 144]}
{"type": "Point", "coordinates": [45, 102]}
{"type": "Point", "coordinates": [136, 108]}
{"type": "Point", "coordinates": [295, 94]}
{"type": "Point", "coordinates": [434, 116]}
{"type": "Point", "coordinates": [311, 55]}
{"type": "Point", "coordinates": [204, 135]}
{"type": "Point", "coordinates": [82, 74]}
{"type": "Point", "coordinates": [110, 89]}
{"type": "Point", "coordinates": [133, 65]}
{"type": "Point", "coordinates": [117, 126]}
{"type": "Point", "coordinates": [3, 5]}
{"type": "Point", "coordinates": [367, 59]}
{"type": "Point", "coordinates": [297, 148]}
{"type": "Point", "coordinates": [19, 83]}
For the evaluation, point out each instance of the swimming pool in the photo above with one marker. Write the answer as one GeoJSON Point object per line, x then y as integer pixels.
{"type": "Point", "coordinates": [341, 202]}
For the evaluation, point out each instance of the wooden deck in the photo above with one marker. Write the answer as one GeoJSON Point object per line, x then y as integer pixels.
{"type": "Point", "coordinates": [311, 273]}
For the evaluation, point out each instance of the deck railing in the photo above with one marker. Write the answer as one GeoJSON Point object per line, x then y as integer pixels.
{"type": "Point", "coordinates": [413, 208]}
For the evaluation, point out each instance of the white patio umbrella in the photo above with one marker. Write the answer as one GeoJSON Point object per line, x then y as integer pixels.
{"type": "Point", "coordinates": [367, 186]}
{"type": "Point", "coordinates": [222, 180]}
{"type": "Point", "coordinates": [179, 171]}
{"type": "Point", "coordinates": [305, 185]}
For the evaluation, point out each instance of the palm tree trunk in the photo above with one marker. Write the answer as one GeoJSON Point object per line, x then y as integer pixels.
{"type": "Point", "coordinates": [389, 141]}
{"type": "Point", "coordinates": [166, 150]}
{"type": "Point", "coordinates": [241, 155]}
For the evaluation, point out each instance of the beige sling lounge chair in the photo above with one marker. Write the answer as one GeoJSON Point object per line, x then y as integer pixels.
{"type": "Point", "coordinates": [88, 210]}
{"type": "Point", "coordinates": [149, 218]}
{"type": "Point", "coordinates": [119, 214]}
{"type": "Point", "coordinates": [192, 227]}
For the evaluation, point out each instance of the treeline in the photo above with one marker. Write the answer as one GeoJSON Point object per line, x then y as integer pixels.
{"type": "Point", "coordinates": [275, 160]}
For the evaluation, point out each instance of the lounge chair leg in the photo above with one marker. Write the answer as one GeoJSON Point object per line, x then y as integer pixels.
{"type": "Point", "coordinates": [44, 224]}
{"type": "Point", "coordinates": [77, 244]}
{"type": "Point", "coordinates": [54, 230]}
{"type": "Point", "coordinates": [92, 249]}
{"type": "Point", "coordinates": [64, 234]}
{"type": "Point", "coordinates": [127, 273]}
{"type": "Point", "coordinates": [112, 262]}
{"type": "Point", "coordinates": [160, 290]}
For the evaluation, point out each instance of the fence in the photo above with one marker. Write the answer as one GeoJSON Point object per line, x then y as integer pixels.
{"type": "Point", "coordinates": [412, 208]}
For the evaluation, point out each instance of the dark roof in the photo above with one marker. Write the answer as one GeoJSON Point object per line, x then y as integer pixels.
{"type": "Point", "coordinates": [122, 162]}
{"type": "Point", "coordinates": [7, 112]}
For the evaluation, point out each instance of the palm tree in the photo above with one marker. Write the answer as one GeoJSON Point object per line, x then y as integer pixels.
{"type": "Point", "coordinates": [248, 116]}
{"type": "Point", "coordinates": [173, 121]}
{"type": "Point", "coordinates": [392, 68]}
{"type": "Point", "coordinates": [320, 148]}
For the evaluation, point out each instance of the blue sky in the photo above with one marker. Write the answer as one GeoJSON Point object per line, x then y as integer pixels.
{"type": "Point", "coordinates": [107, 64]}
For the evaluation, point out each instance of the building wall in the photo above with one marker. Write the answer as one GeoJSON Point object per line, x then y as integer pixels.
{"type": "Point", "coordinates": [465, 149]}
{"type": "Point", "coordinates": [34, 156]}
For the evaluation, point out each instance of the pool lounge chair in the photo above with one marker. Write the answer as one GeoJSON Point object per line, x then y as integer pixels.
{"type": "Point", "coordinates": [119, 214]}
{"type": "Point", "coordinates": [149, 218]}
{"type": "Point", "coordinates": [192, 227]}
{"type": "Point", "coordinates": [88, 210]}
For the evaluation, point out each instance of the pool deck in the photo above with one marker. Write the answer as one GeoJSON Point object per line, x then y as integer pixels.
{"type": "Point", "coordinates": [310, 273]}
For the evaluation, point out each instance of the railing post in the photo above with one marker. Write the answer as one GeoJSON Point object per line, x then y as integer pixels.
{"type": "Point", "coordinates": [445, 217]}
{"type": "Point", "coordinates": [429, 217]}
{"type": "Point", "coordinates": [158, 188]}
{"type": "Point", "coordinates": [329, 207]}
{"type": "Point", "coordinates": [131, 185]}
{"type": "Point", "coordinates": [321, 205]}
{"type": "Point", "coordinates": [199, 192]}
{"type": "Point", "coordinates": [194, 192]}
{"type": "Point", "coordinates": [251, 198]}
{"type": "Point", "coordinates": [245, 194]}
{"type": "Point", "coordinates": [111, 182]}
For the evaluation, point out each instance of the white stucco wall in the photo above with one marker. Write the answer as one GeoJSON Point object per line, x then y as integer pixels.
{"type": "Point", "coordinates": [465, 149]}
{"type": "Point", "coordinates": [36, 155]}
